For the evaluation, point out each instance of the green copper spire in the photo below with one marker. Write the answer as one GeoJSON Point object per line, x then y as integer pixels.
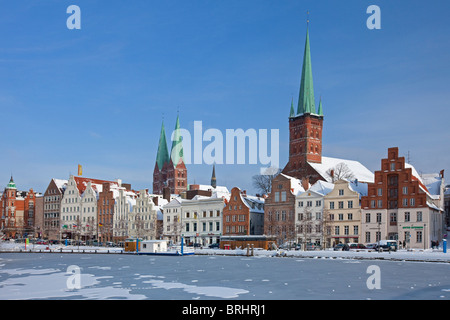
{"type": "Point", "coordinates": [292, 114]}
{"type": "Point", "coordinates": [163, 154]}
{"type": "Point", "coordinates": [306, 98]}
{"type": "Point", "coordinates": [177, 147]}
{"type": "Point", "coordinates": [11, 184]}
{"type": "Point", "coordinates": [320, 111]}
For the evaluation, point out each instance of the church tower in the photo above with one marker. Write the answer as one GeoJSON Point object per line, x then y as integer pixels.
{"type": "Point", "coordinates": [305, 125]}
{"type": "Point", "coordinates": [162, 159]}
{"type": "Point", "coordinates": [176, 170]}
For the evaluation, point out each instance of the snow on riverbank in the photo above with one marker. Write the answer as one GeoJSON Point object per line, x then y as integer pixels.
{"type": "Point", "coordinates": [401, 255]}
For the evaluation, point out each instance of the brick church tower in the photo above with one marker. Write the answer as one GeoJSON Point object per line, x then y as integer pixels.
{"type": "Point", "coordinates": [305, 126]}
{"type": "Point", "coordinates": [170, 171]}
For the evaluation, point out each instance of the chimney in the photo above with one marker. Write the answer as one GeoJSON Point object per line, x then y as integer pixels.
{"type": "Point", "coordinates": [332, 175]}
{"type": "Point", "coordinates": [155, 200]}
{"type": "Point", "coordinates": [441, 174]}
{"type": "Point", "coordinates": [166, 193]}
{"type": "Point", "coordinates": [305, 183]}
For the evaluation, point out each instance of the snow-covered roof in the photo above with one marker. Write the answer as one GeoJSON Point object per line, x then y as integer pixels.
{"type": "Point", "coordinates": [358, 170]}
{"type": "Point", "coordinates": [296, 184]}
{"type": "Point", "coordinates": [61, 184]}
{"type": "Point", "coordinates": [322, 187]}
{"type": "Point", "coordinates": [360, 187]}
{"type": "Point", "coordinates": [433, 182]}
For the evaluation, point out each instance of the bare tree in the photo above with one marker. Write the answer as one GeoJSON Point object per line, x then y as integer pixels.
{"type": "Point", "coordinates": [340, 171]}
{"type": "Point", "coordinates": [263, 182]}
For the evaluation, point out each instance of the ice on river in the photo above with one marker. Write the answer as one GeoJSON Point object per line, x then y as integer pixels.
{"type": "Point", "coordinates": [46, 276]}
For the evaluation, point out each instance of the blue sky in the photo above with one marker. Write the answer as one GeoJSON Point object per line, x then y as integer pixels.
{"type": "Point", "coordinates": [97, 96]}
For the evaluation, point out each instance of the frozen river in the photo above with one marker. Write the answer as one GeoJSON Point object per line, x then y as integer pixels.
{"type": "Point", "coordinates": [115, 276]}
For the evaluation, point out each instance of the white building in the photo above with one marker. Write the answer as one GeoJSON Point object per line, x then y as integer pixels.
{"type": "Point", "coordinates": [198, 220]}
{"type": "Point", "coordinates": [142, 220]}
{"type": "Point", "coordinates": [309, 213]}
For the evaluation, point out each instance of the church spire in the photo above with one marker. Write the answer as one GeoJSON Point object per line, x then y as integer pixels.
{"type": "Point", "coordinates": [213, 178]}
{"type": "Point", "coordinates": [320, 111]}
{"type": "Point", "coordinates": [163, 154]}
{"type": "Point", "coordinates": [292, 113]}
{"type": "Point", "coordinates": [306, 97]}
{"type": "Point", "coordinates": [176, 154]}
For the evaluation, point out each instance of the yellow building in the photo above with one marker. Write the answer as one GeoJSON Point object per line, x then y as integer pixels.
{"type": "Point", "coordinates": [342, 213]}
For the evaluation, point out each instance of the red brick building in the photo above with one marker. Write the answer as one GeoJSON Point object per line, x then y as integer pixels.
{"type": "Point", "coordinates": [279, 208]}
{"type": "Point", "coordinates": [243, 215]}
{"type": "Point", "coordinates": [401, 205]}
{"type": "Point", "coordinates": [18, 212]}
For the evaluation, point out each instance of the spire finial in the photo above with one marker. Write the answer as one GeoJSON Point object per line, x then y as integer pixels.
{"type": "Point", "coordinates": [307, 18]}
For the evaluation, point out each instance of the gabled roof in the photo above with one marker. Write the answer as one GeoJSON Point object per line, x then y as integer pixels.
{"type": "Point", "coordinates": [296, 184]}
{"type": "Point", "coordinates": [96, 183]}
{"type": "Point", "coordinates": [322, 187]}
{"type": "Point", "coordinates": [359, 171]}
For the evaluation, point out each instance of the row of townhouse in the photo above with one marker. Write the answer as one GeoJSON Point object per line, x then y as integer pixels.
{"type": "Point", "coordinates": [92, 209]}
{"type": "Point", "coordinates": [399, 204]}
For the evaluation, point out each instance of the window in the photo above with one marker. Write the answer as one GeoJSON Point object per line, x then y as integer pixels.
{"type": "Point", "coordinates": [332, 205]}
{"type": "Point", "coordinates": [309, 203]}
{"type": "Point", "coordinates": [283, 195]}
{"type": "Point", "coordinates": [341, 216]}
{"type": "Point", "coordinates": [187, 227]}
{"type": "Point", "coordinates": [355, 230]}
{"type": "Point", "coordinates": [336, 230]}
{"type": "Point", "coordinates": [318, 203]}
{"type": "Point", "coordinates": [380, 203]}
{"type": "Point", "coordinates": [378, 217]}
{"type": "Point", "coordinates": [367, 217]}
{"type": "Point", "coordinates": [341, 204]}
{"type": "Point", "coordinates": [412, 202]}
{"type": "Point", "coordinates": [367, 236]}
{"type": "Point", "coordinates": [277, 197]}
{"type": "Point", "coordinates": [346, 230]}
{"type": "Point", "coordinates": [380, 192]}
{"type": "Point", "coordinates": [405, 202]}
{"type": "Point", "coordinates": [405, 190]}
{"type": "Point", "coordinates": [407, 217]}
{"type": "Point", "coordinates": [341, 192]}
{"type": "Point", "coordinates": [350, 204]}
{"type": "Point", "coordinates": [393, 217]}
{"type": "Point", "coordinates": [372, 203]}
{"type": "Point", "coordinates": [392, 166]}
{"type": "Point", "coordinates": [419, 236]}
{"type": "Point", "coordinates": [377, 236]}
{"type": "Point", "coordinates": [419, 216]}
{"type": "Point", "coordinates": [350, 216]}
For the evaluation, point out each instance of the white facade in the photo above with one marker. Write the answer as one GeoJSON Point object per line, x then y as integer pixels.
{"type": "Point", "coordinates": [71, 209]}
{"type": "Point", "coordinates": [142, 221]}
{"type": "Point", "coordinates": [198, 220]}
{"type": "Point", "coordinates": [124, 201]}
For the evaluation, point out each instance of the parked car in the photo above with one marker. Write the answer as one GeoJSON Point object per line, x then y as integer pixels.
{"type": "Point", "coordinates": [387, 245]}
{"type": "Point", "coordinates": [355, 246]}
{"type": "Point", "coordinates": [214, 245]}
{"type": "Point", "coordinates": [341, 247]}
{"type": "Point", "coordinates": [372, 246]}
